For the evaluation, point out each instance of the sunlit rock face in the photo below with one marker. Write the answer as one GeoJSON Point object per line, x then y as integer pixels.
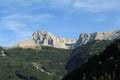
{"type": "Point", "coordinates": [89, 37]}
{"type": "Point", "coordinates": [43, 38]}
{"type": "Point", "coordinates": [48, 39]}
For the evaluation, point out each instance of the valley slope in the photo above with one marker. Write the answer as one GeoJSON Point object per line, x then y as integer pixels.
{"type": "Point", "coordinates": [105, 66]}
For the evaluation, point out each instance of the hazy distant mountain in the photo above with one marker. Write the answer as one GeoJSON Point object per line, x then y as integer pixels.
{"type": "Point", "coordinates": [43, 38]}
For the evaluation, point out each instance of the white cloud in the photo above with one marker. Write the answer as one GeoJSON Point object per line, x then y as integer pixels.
{"type": "Point", "coordinates": [38, 18]}
{"type": "Point", "coordinates": [85, 5]}
{"type": "Point", "coordinates": [20, 6]}
{"type": "Point", "coordinates": [28, 17]}
{"type": "Point", "coordinates": [34, 4]}
{"type": "Point", "coordinates": [97, 5]}
{"type": "Point", "coordinates": [17, 28]}
{"type": "Point", "coordinates": [20, 3]}
{"type": "Point", "coordinates": [14, 26]}
{"type": "Point", "coordinates": [21, 24]}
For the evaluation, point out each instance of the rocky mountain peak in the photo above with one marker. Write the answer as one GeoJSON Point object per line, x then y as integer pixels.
{"type": "Point", "coordinates": [42, 33]}
{"type": "Point", "coordinates": [48, 39]}
{"type": "Point", "coordinates": [85, 38]}
{"type": "Point", "coordinates": [44, 38]}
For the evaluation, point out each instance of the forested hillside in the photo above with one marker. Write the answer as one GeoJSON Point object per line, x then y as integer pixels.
{"type": "Point", "coordinates": [105, 66]}
{"type": "Point", "coordinates": [81, 54]}
{"type": "Point", "coordinates": [44, 63]}
{"type": "Point", "coordinates": [33, 64]}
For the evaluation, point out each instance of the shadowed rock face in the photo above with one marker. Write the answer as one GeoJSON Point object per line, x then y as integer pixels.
{"type": "Point", "coordinates": [43, 38]}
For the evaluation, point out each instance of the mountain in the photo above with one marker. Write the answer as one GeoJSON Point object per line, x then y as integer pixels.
{"type": "Point", "coordinates": [89, 37]}
{"type": "Point", "coordinates": [43, 38]}
{"type": "Point", "coordinates": [105, 66]}
{"type": "Point", "coordinates": [89, 45]}
{"type": "Point", "coordinates": [40, 58]}
{"type": "Point", "coordinates": [44, 62]}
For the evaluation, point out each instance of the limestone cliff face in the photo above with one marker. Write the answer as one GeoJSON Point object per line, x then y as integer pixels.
{"type": "Point", "coordinates": [85, 38]}
{"type": "Point", "coordinates": [27, 43]}
{"type": "Point", "coordinates": [48, 39]}
{"type": "Point", "coordinates": [43, 38]}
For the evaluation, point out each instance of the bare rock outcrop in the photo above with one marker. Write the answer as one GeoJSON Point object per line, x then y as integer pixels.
{"type": "Point", "coordinates": [43, 38]}
{"type": "Point", "coordinates": [85, 38]}
{"type": "Point", "coordinates": [2, 53]}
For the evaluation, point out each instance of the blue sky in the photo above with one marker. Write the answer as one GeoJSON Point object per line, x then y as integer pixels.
{"type": "Point", "coordinates": [65, 18]}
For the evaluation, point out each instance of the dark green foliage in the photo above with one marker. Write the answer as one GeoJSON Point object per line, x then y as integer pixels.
{"type": "Point", "coordinates": [94, 47]}
{"type": "Point", "coordinates": [1, 48]}
{"type": "Point", "coordinates": [81, 54]}
{"type": "Point", "coordinates": [17, 64]}
{"type": "Point", "coordinates": [105, 66]}
{"type": "Point", "coordinates": [17, 70]}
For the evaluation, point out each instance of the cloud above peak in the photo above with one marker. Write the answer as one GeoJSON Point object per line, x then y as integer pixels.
{"type": "Point", "coordinates": [22, 25]}
{"type": "Point", "coordinates": [79, 5]}
{"type": "Point", "coordinates": [97, 5]}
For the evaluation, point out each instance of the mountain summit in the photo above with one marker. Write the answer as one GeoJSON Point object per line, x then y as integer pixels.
{"type": "Point", "coordinates": [44, 38]}
{"type": "Point", "coordinates": [85, 38]}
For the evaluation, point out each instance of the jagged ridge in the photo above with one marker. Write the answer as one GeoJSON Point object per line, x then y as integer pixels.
{"type": "Point", "coordinates": [85, 38]}
{"type": "Point", "coordinates": [43, 38]}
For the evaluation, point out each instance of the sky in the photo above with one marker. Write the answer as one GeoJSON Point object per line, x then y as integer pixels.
{"type": "Point", "coordinates": [19, 19]}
